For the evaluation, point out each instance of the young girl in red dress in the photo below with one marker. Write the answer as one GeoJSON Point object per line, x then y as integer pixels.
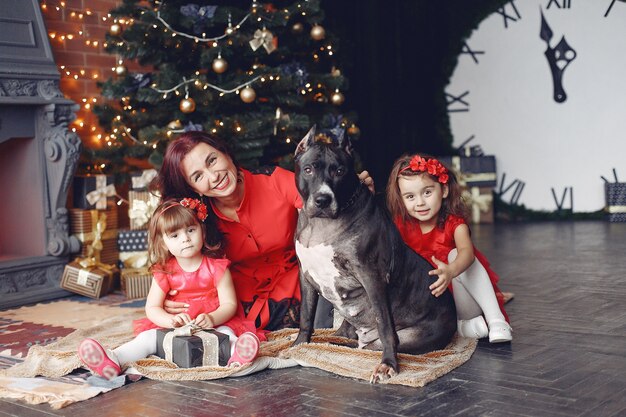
{"type": "Point", "coordinates": [180, 260]}
{"type": "Point", "coordinates": [425, 201]}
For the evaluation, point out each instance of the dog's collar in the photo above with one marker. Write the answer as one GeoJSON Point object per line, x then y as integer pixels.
{"type": "Point", "coordinates": [354, 196]}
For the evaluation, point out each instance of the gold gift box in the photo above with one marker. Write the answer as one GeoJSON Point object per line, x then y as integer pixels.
{"type": "Point", "coordinates": [480, 200]}
{"type": "Point", "coordinates": [136, 282]}
{"type": "Point", "coordinates": [83, 226]}
{"type": "Point", "coordinates": [92, 281]}
{"type": "Point", "coordinates": [83, 221]}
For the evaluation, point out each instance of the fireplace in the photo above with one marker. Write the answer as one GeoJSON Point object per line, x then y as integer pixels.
{"type": "Point", "coordinates": [38, 156]}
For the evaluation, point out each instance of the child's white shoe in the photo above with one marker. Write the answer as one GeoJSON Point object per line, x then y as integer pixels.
{"type": "Point", "coordinates": [475, 328]}
{"type": "Point", "coordinates": [500, 331]}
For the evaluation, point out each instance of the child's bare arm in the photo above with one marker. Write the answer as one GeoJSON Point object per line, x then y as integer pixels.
{"type": "Point", "coordinates": [464, 258]}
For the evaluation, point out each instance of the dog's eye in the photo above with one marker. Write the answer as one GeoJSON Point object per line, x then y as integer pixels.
{"type": "Point", "coordinates": [308, 170]}
{"type": "Point", "coordinates": [340, 171]}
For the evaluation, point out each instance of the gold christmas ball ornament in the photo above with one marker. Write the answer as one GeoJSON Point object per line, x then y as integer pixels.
{"type": "Point", "coordinates": [337, 98]}
{"type": "Point", "coordinates": [120, 70]}
{"type": "Point", "coordinates": [175, 125]}
{"type": "Point", "coordinates": [220, 65]}
{"type": "Point", "coordinates": [247, 94]}
{"type": "Point", "coordinates": [354, 130]}
{"type": "Point", "coordinates": [297, 28]}
{"type": "Point", "coordinates": [187, 105]}
{"type": "Point", "coordinates": [115, 29]}
{"type": "Point", "coordinates": [318, 32]}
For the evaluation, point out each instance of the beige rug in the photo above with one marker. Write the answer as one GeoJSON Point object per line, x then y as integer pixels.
{"type": "Point", "coordinates": [59, 358]}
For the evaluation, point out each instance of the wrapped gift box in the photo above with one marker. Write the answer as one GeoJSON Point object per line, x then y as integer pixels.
{"type": "Point", "coordinates": [91, 281]}
{"type": "Point", "coordinates": [135, 282]}
{"type": "Point", "coordinates": [480, 200]}
{"type": "Point", "coordinates": [473, 171]}
{"type": "Point", "coordinates": [205, 348]}
{"type": "Point", "coordinates": [93, 191]}
{"type": "Point", "coordinates": [141, 206]}
{"type": "Point", "coordinates": [140, 180]}
{"type": "Point", "coordinates": [615, 195]}
{"type": "Point", "coordinates": [132, 240]}
{"type": "Point", "coordinates": [84, 225]}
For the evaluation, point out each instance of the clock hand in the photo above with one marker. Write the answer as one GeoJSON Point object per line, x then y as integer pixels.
{"type": "Point", "coordinates": [558, 58]}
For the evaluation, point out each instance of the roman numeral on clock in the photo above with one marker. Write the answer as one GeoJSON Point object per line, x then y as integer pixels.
{"type": "Point", "coordinates": [456, 103]}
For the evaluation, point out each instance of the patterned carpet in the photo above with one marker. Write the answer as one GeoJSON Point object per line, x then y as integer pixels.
{"type": "Point", "coordinates": [44, 323]}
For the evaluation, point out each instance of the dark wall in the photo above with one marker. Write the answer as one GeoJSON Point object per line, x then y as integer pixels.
{"type": "Point", "coordinates": [399, 56]}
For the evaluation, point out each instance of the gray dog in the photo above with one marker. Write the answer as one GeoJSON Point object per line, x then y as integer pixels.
{"type": "Point", "coordinates": [351, 253]}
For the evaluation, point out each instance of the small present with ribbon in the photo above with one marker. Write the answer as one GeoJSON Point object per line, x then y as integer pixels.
{"type": "Point", "coordinates": [142, 205]}
{"type": "Point", "coordinates": [97, 231]}
{"type": "Point", "coordinates": [472, 171]}
{"type": "Point", "coordinates": [615, 197]}
{"type": "Point", "coordinates": [88, 277]}
{"type": "Point", "coordinates": [93, 191]}
{"type": "Point", "coordinates": [135, 282]}
{"type": "Point", "coordinates": [480, 200]}
{"type": "Point", "coordinates": [135, 277]}
{"type": "Point", "coordinates": [190, 346]}
{"type": "Point", "coordinates": [139, 181]}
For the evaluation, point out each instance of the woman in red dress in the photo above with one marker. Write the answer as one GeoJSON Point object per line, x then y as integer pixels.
{"type": "Point", "coordinates": [425, 201]}
{"type": "Point", "coordinates": [256, 212]}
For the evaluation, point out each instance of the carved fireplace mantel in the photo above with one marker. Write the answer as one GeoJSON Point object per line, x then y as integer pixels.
{"type": "Point", "coordinates": [38, 156]}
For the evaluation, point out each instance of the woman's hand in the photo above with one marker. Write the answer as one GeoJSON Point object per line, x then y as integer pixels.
{"type": "Point", "coordinates": [205, 321]}
{"type": "Point", "coordinates": [174, 307]}
{"type": "Point", "coordinates": [445, 277]}
{"type": "Point", "coordinates": [367, 180]}
{"type": "Point", "coordinates": [180, 320]}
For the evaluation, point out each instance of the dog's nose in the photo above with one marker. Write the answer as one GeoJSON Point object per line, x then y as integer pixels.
{"type": "Point", "coordinates": [322, 201]}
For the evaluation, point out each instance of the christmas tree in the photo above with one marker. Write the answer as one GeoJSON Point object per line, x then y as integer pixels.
{"type": "Point", "coordinates": [257, 75]}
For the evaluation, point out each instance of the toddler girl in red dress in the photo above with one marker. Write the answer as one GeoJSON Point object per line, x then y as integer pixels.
{"type": "Point", "coordinates": [425, 202]}
{"type": "Point", "coordinates": [180, 261]}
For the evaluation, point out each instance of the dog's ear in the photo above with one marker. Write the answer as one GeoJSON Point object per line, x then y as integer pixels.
{"type": "Point", "coordinates": [306, 141]}
{"type": "Point", "coordinates": [344, 142]}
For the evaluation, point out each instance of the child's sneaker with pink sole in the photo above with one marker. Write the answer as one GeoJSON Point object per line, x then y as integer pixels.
{"type": "Point", "coordinates": [246, 349]}
{"type": "Point", "coordinates": [97, 359]}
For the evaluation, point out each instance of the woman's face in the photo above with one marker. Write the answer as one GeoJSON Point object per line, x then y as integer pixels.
{"type": "Point", "coordinates": [209, 171]}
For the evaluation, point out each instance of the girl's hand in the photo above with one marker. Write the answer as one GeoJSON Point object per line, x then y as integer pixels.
{"type": "Point", "coordinates": [205, 321]}
{"type": "Point", "coordinates": [367, 180]}
{"type": "Point", "coordinates": [445, 277]}
{"type": "Point", "coordinates": [174, 307]}
{"type": "Point", "coordinates": [180, 320]}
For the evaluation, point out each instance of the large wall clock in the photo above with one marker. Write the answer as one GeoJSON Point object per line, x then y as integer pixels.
{"type": "Point", "coordinates": [542, 86]}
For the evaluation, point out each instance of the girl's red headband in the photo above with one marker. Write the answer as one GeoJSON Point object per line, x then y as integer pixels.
{"type": "Point", "coordinates": [192, 203]}
{"type": "Point", "coordinates": [432, 166]}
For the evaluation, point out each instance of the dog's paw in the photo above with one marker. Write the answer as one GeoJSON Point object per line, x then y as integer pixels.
{"type": "Point", "coordinates": [382, 371]}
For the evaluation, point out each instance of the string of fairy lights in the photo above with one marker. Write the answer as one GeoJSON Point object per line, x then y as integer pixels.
{"type": "Point", "coordinates": [60, 11]}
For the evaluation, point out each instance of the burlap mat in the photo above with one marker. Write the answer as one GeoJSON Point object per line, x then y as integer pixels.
{"type": "Point", "coordinates": [60, 358]}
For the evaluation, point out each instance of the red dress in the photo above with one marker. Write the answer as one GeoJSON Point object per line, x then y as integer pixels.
{"type": "Point", "coordinates": [198, 289]}
{"type": "Point", "coordinates": [261, 248]}
{"type": "Point", "coordinates": [439, 242]}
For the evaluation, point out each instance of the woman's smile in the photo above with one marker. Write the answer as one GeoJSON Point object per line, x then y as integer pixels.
{"type": "Point", "coordinates": [225, 182]}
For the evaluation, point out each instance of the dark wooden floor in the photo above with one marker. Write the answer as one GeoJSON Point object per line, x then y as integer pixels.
{"type": "Point", "coordinates": [568, 356]}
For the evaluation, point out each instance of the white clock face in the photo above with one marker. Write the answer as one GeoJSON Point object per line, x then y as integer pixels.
{"type": "Point", "coordinates": [507, 99]}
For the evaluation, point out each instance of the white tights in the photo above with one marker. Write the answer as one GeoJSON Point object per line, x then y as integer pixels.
{"type": "Point", "coordinates": [473, 293]}
{"type": "Point", "coordinates": [145, 344]}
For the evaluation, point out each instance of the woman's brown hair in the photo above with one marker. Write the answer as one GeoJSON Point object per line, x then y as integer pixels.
{"type": "Point", "coordinates": [453, 204]}
{"type": "Point", "coordinates": [169, 217]}
{"type": "Point", "coordinates": [170, 183]}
